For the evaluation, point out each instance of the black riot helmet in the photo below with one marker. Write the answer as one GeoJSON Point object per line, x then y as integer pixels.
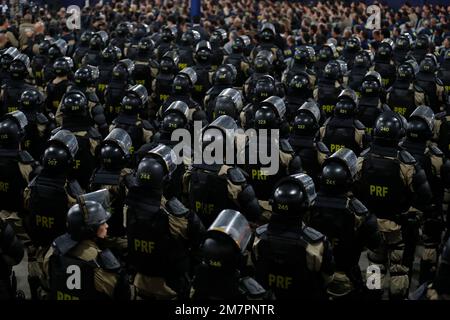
{"type": "Point", "coordinates": [31, 100]}
{"type": "Point", "coordinates": [111, 54]}
{"type": "Point", "coordinates": [184, 81]}
{"type": "Point", "coordinates": [264, 88]}
{"type": "Point", "coordinates": [429, 63]}
{"type": "Point", "coordinates": [420, 124]}
{"type": "Point", "coordinates": [146, 45]}
{"type": "Point", "coordinates": [86, 76]}
{"type": "Point", "coordinates": [63, 66]}
{"type": "Point", "coordinates": [407, 70]}
{"type": "Point", "coordinates": [203, 51]}
{"type": "Point", "coordinates": [57, 49]}
{"type": "Point", "coordinates": [175, 116]}
{"type": "Point", "coordinates": [168, 34]}
{"type": "Point", "coordinates": [18, 68]}
{"type": "Point", "coordinates": [12, 129]}
{"type": "Point", "coordinates": [229, 102]}
{"type": "Point", "coordinates": [299, 85]}
{"type": "Point", "coordinates": [347, 104]}
{"type": "Point", "coordinates": [403, 42]}
{"type": "Point", "coordinates": [123, 29]}
{"type": "Point", "coordinates": [86, 37]}
{"type": "Point", "coordinates": [422, 42]}
{"type": "Point", "coordinates": [292, 195]}
{"type": "Point", "coordinates": [156, 167]}
{"type": "Point", "coordinates": [218, 37]}
{"type": "Point", "coordinates": [306, 122]}
{"type": "Point", "coordinates": [270, 113]}
{"type": "Point", "coordinates": [74, 103]}
{"type": "Point", "coordinates": [225, 74]}
{"type": "Point", "coordinates": [7, 57]}
{"type": "Point", "coordinates": [84, 219]}
{"type": "Point", "coordinates": [372, 84]}
{"type": "Point", "coordinates": [328, 52]}
{"type": "Point", "coordinates": [338, 171]}
{"type": "Point", "coordinates": [98, 40]}
{"type": "Point", "coordinates": [123, 70]}
{"type": "Point", "coordinates": [240, 44]}
{"type": "Point", "coordinates": [190, 37]}
{"type": "Point", "coordinates": [353, 44]}
{"type": "Point", "coordinates": [267, 32]}
{"type": "Point", "coordinates": [44, 46]}
{"type": "Point", "coordinates": [60, 152]}
{"type": "Point", "coordinates": [115, 149]}
{"type": "Point", "coordinates": [389, 129]}
{"type": "Point", "coordinates": [263, 62]}
{"type": "Point", "coordinates": [135, 99]}
{"type": "Point", "coordinates": [363, 58]}
{"type": "Point", "coordinates": [169, 63]}
{"type": "Point", "coordinates": [335, 69]}
{"type": "Point", "coordinates": [384, 51]}
{"type": "Point", "coordinates": [225, 241]}
{"type": "Point", "coordinates": [304, 55]}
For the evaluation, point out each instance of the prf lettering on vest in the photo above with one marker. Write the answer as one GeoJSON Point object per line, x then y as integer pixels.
{"type": "Point", "coordinates": [45, 222]}
{"type": "Point", "coordinates": [64, 296]}
{"type": "Point", "coordinates": [258, 175]}
{"type": "Point", "coordinates": [205, 208]}
{"type": "Point", "coordinates": [336, 147]}
{"type": "Point", "coordinates": [4, 186]}
{"type": "Point", "coordinates": [144, 246]}
{"type": "Point", "coordinates": [378, 191]}
{"type": "Point", "coordinates": [282, 282]}
{"type": "Point", "coordinates": [328, 108]}
{"type": "Point", "coordinates": [76, 164]}
{"type": "Point", "coordinates": [400, 110]}
{"type": "Point", "coordinates": [447, 89]}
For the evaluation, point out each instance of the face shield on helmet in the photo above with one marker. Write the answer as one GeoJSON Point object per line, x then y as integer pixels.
{"type": "Point", "coordinates": [363, 59]}
{"type": "Point", "coordinates": [339, 171]}
{"type": "Point", "coordinates": [421, 124]}
{"type": "Point", "coordinates": [335, 69]}
{"type": "Point", "coordinates": [229, 102]}
{"type": "Point", "coordinates": [135, 99]}
{"type": "Point", "coordinates": [270, 113]}
{"type": "Point", "coordinates": [57, 49]}
{"type": "Point", "coordinates": [111, 54]}
{"type": "Point", "coordinates": [12, 129]}
{"type": "Point", "coordinates": [347, 103]}
{"type": "Point", "coordinates": [306, 122]}
{"type": "Point", "coordinates": [156, 167]}
{"type": "Point", "coordinates": [169, 63]}
{"type": "Point", "coordinates": [85, 218]}
{"type": "Point", "coordinates": [74, 103]}
{"type": "Point", "coordinates": [31, 100]}
{"type": "Point", "coordinates": [146, 45]}
{"type": "Point", "coordinates": [407, 70]}
{"type": "Point", "coordinates": [267, 33]}
{"type": "Point", "coordinates": [263, 61]}
{"type": "Point", "coordinates": [67, 140]}
{"type": "Point", "coordinates": [422, 42]}
{"type": "Point", "coordinates": [372, 83]}
{"type": "Point", "coordinates": [86, 76]}
{"type": "Point", "coordinates": [224, 75]}
{"type": "Point", "coordinates": [19, 67]}
{"type": "Point", "coordinates": [218, 37]}
{"type": "Point", "coordinates": [175, 116]}
{"type": "Point", "coordinates": [86, 37]}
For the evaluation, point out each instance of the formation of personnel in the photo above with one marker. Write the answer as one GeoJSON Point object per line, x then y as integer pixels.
{"type": "Point", "coordinates": [92, 189]}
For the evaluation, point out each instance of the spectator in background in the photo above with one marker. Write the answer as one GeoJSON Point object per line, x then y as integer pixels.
{"type": "Point", "coordinates": [8, 39]}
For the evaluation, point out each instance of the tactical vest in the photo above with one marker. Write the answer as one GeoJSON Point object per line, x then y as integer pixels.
{"type": "Point", "coordinates": [381, 187]}
{"type": "Point", "coordinates": [205, 186]}
{"type": "Point", "coordinates": [163, 87]}
{"type": "Point", "coordinates": [217, 57]}
{"type": "Point", "coordinates": [236, 59]}
{"type": "Point", "coordinates": [11, 182]}
{"type": "Point", "coordinates": [443, 140]}
{"type": "Point", "coordinates": [400, 56]}
{"type": "Point", "coordinates": [113, 98]}
{"type": "Point", "coordinates": [212, 94]}
{"type": "Point", "coordinates": [340, 133]}
{"type": "Point", "coordinates": [427, 81]}
{"type": "Point", "coordinates": [49, 72]}
{"type": "Point", "coordinates": [37, 69]}
{"type": "Point", "coordinates": [368, 112]}
{"type": "Point", "coordinates": [386, 71]}
{"type": "Point", "coordinates": [55, 93]}
{"type": "Point", "coordinates": [202, 85]}
{"type": "Point", "coordinates": [92, 57]}
{"type": "Point", "coordinates": [147, 233]}
{"type": "Point", "coordinates": [356, 77]}
{"type": "Point", "coordinates": [142, 74]}
{"type": "Point", "coordinates": [327, 95]}
{"type": "Point", "coordinates": [78, 55]}
{"type": "Point", "coordinates": [401, 99]}
{"type": "Point", "coordinates": [305, 148]}
{"type": "Point", "coordinates": [133, 127]}
{"type": "Point", "coordinates": [293, 103]}
{"type": "Point", "coordinates": [12, 91]}
{"type": "Point", "coordinates": [104, 79]}
{"type": "Point", "coordinates": [186, 58]}
{"type": "Point", "coordinates": [48, 207]}
{"type": "Point", "coordinates": [349, 58]}
{"type": "Point", "coordinates": [32, 141]}
{"type": "Point", "coordinates": [162, 49]}
{"type": "Point", "coordinates": [444, 75]}
{"type": "Point", "coordinates": [319, 66]}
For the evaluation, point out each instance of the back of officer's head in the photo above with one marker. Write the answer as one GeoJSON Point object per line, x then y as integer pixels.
{"type": "Point", "coordinates": [84, 220]}
{"type": "Point", "coordinates": [10, 134]}
{"type": "Point", "coordinates": [389, 129]}
{"type": "Point", "coordinates": [151, 173]}
{"type": "Point", "coordinates": [219, 253]}
{"type": "Point", "coordinates": [74, 104]}
{"type": "Point", "coordinates": [338, 172]}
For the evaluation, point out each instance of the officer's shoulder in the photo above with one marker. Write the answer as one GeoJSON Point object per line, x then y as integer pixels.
{"type": "Point", "coordinates": [418, 88]}
{"type": "Point", "coordinates": [176, 208]}
{"type": "Point", "coordinates": [107, 260]}
{"type": "Point", "coordinates": [438, 81]}
{"type": "Point", "coordinates": [359, 125]}
{"type": "Point", "coordinates": [358, 207]}
{"type": "Point", "coordinates": [251, 288]}
{"type": "Point", "coordinates": [94, 134]}
{"type": "Point", "coordinates": [322, 148]}
{"type": "Point", "coordinates": [41, 119]}
{"type": "Point", "coordinates": [73, 188]}
{"type": "Point", "coordinates": [406, 157]}
{"type": "Point", "coordinates": [55, 131]}
{"type": "Point", "coordinates": [236, 175]}
{"type": "Point", "coordinates": [435, 151]}
{"type": "Point", "coordinates": [146, 125]}
{"type": "Point", "coordinates": [312, 235]}
{"type": "Point", "coordinates": [25, 157]}
{"type": "Point", "coordinates": [285, 146]}
{"type": "Point", "coordinates": [261, 230]}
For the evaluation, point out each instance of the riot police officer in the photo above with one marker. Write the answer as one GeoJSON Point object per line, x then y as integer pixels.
{"type": "Point", "coordinates": [229, 102]}
{"type": "Point", "coordinates": [166, 43]}
{"type": "Point", "coordinates": [441, 128]}
{"type": "Point", "coordinates": [79, 252]}
{"type": "Point", "coordinates": [427, 80]}
{"type": "Point", "coordinates": [49, 194]}
{"type": "Point", "coordinates": [38, 62]}
{"type": "Point", "coordinates": [58, 49]}
{"type": "Point", "coordinates": [444, 72]}
{"type": "Point", "coordinates": [82, 47]}
{"type": "Point", "coordinates": [262, 66]}
{"type": "Point", "coordinates": [203, 69]}
{"type": "Point", "coordinates": [292, 260]}
{"type": "Point", "coordinates": [384, 62]}
{"type": "Point", "coordinates": [96, 45]}
{"type": "Point", "coordinates": [330, 85]}
{"type": "Point", "coordinates": [371, 102]}
{"type": "Point", "coordinates": [345, 221]}
{"type": "Point", "coordinates": [146, 67]}
{"type": "Point", "coordinates": [362, 64]}
{"type": "Point", "coordinates": [220, 274]}
{"type": "Point", "coordinates": [110, 56]}
{"type": "Point", "coordinates": [303, 139]}
{"type": "Point", "coordinates": [217, 39]}
{"type": "Point", "coordinates": [175, 117]}
{"type": "Point", "coordinates": [188, 41]}
{"type": "Point", "coordinates": [402, 48]}
{"type": "Point", "coordinates": [389, 182]}
{"type": "Point", "coordinates": [56, 88]}
{"type": "Point", "coordinates": [162, 84]}
{"type": "Point", "coordinates": [39, 126]}
{"type": "Point", "coordinates": [160, 232]}
{"type": "Point", "coordinates": [301, 62]}
{"type": "Point", "coordinates": [134, 102]}
{"type": "Point", "coordinates": [422, 46]}
{"type": "Point", "coordinates": [351, 47]}
{"type": "Point", "coordinates": [405, 94]}
{"type": "Point", "coordinates": [13, 88]}
{"type": "Point", "coordinates": [6, 58]}
{"type": "Point", "coordinates": [343, 130]}
{"type": "Point", "coordinates": [121, 37]}
{"type": "Point", "coordinates": [203, 182]}
{"type": "Point", "coordinates": [238, 59]}
{"type": "Point", "coordinates": [299, 90]}
{"type": "Point", "coordinates": [327, 53]}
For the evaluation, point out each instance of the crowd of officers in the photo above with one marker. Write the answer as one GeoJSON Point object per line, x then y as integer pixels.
{"type": "Point", "coordinates": [91, 189]}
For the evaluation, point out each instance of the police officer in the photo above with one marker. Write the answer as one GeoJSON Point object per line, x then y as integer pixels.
{"type": "Point", "coordinates": [96, 45]}
{"type": "Point", "coordinates": [371, 102]}
{"type": "Point", "coordinates": [134, 102]}
{"type": "Point", "coordinates": [162, 84]}
{"type": "Point", "coordinates": [343, 130]}
{"type": "Point", "coordinates": [166, 43]}
{"type": "Point", "coordinates": [76, 119]}
{"type": "Point", "coordinates": [441, 129]}
{"type": "Point", "coordinates": [203, 182]}
{"type": "Point", "coordinates": [82, 47]}
{"type": "Point", "coordinates": [39, 60]}
{"type": "Point", "coordinates": [56, 88]}
{"type": "Point", "coordinates": [292, 260]}
{"type": "Point", "coordinates": [230, 103]}
{"type": "Point", "coordinates": [114, 155]}
{"type": "Point", "coordinates": [188, 41]}
{"type": "Point", "coordinates": [444, 72]}
{"type": "Point", "coordinates": [6, 58]}
{"type": "Point", "coordinates": [110, 56]}
{"type": "Point", "coordinates": [217, 39]}
{"type": "Point", "coordinates": [224, 77]}
{"type": "Point", "coordinates": [303, 139]}
{"type": "Point", "coordinates": [262, 66]}
{"type": "Point", "coordinates": [389, 182]}
{"type": "Point", "coordinates": [402, 48]}
{"type": "Point", "coordinates": [346, 222]}
{"type": "Point", "coordinates": [351, 47]}
{"type": "Point", "coordinates": [362, 64]}
{"type": "Point", "coordinates": [175, 117]}
{"type": "Point", "coordinates": [384, 62]}
{"type": "Point", "coordinates": [11, 254]}
{"type": "Point", "coordinates": [427, 80]}
{"type": "Point", "coordinates": [301, 62]}
{"type": "Point", "coordinates": [405, 94]}
{"type": "Point", "coordinates": [422, 46]}
{"type": "Point", "coordinates": [223, 254]}
{"type": "Point", "coordinates": [58, 49]}
{"type": "Point", "coordinates": [327, 53]}
{"type": "Point", "coordinates": [330, 85]}
{"type": "Point", "coordinates": [39, 126]}
{"type": "Point", "coordinates": [437, 169]}
{"type": "Point", "coordinates": [160, 231]}
{"type": "Point", "coordinates": [121, 38]}
{"type": "Point", "coordinates": [238, 59]}
{"type": "Point", "coordinates": [299, 90]}
{"type": "Point", "coordinates": [79, 253]}
{"type": "Point", "coordinates": [146, 67]}
{"type": "Point", "coordinates": [49, 194]}
{"type": "Point", "coordinates": [203, 69]}
{"type": "Point", "coordinates": [13, 88]}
